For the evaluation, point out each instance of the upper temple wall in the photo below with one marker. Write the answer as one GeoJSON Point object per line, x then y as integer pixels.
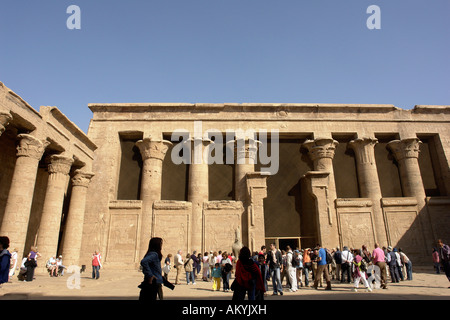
{"type": "Point", "coordinates": [48, 124]}
{"type": "Point", "coordinates": [309, 120]}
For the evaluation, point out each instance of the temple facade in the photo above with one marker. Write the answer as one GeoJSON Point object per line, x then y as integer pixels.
{"type": "Point", "coordinates": [203, 176]}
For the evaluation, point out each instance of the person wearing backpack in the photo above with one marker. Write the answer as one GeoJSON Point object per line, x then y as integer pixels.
{"type": "Point", "coordinates": [359, 267]}
{"type": "Point", "coordinates": [291, 264]}
{"type": "Point", "coordinates": [322, 267]}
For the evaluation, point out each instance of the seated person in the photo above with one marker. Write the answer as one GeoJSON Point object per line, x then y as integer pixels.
{"type": "Point", "coordinates": [52, 267]}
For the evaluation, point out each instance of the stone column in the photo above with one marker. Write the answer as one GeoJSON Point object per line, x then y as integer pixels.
{"type": "Point", "coordinates": [5, 117]}
{"type": "Point", "coordinates": [316, 183]}
{"type": "Point", "coordinates": [257, 191]}
{"type": "Point", "coordinates": [153, 153]}
{"type": "Point", "coordinates": [245, 151]}
{"type": "Point", "coordinates": [406, 152]}
{"type": "Point", "coordinates": [49, 227]}
{"type": "Point", "coordinates": [20, 197]}
{"type": "Point", "coordinates": [321, 151]}
{"type": "Point", "coordinates": [369, 184]}
{"type": "Point", "coordinates": [75, 218]}
{"type": "Point", "coordinates": [198, 191]}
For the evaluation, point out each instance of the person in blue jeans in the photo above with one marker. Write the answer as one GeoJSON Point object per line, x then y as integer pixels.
{"type": "Point", "coordinates": [96, 265]}
{"type": "Point", "coordinates": [274, 262]}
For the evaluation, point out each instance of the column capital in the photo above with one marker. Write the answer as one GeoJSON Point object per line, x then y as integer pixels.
{"type": "Point", "coordinates": [59, 164]}
{"type": "Point", "coordinates": [321, 148]}
{"type": "Point", "coordinates": [82, 178]}
{"type": "Point", "coordinates": [153, 149]}
{"type": "Point", "coordinates": [364, 149]}
{"type": "Point", "coordinates": [405, 148]}
{"type": "Point", "coordinates": [30, 146]}
{"type": "Point", "coordinates": [244, 148]}
{"type": "Point", "coordinates": [196, 146]}
{"type": "Point", "coordinates": [5, 117]}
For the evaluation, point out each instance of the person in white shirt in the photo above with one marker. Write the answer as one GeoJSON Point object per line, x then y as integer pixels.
{"type": "Point", "coordinates": [291, 270]}
{"type": "Point", "coordinates": [178, 265]}
{"type": "Point", "coordinates": [347, 259]}
{"type": "Point", "coordinates": [60, 266]}
{"type": "Point", "coordinates": [51, 266]}
{"type": "Point", "coordinates": [12, 269]}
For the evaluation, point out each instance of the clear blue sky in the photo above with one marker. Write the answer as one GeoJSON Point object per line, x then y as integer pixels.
{"type": "Point", "coordinates": [287, 51]}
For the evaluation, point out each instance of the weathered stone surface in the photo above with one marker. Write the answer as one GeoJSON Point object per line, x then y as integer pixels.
{"type": "Point", "coordinates": [374, 142]}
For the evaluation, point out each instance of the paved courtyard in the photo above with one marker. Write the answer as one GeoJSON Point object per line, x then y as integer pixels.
{"type": "Point", "coordinates": [123, 285]}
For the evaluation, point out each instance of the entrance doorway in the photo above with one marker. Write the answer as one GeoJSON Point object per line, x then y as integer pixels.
{"type": "Point", "coordinates": [282, 242]}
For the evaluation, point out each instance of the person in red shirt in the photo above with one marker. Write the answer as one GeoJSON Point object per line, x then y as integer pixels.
{"type": "Point", "coordinates": [96, 265]}
{"type": "Point", "coordinates": [248, 278]}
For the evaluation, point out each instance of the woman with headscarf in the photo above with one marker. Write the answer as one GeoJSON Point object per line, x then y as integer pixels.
{"type": "Point", "coordinates": [248, 279]}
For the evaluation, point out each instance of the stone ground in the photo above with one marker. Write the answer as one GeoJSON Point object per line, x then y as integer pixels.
{"type": "Point", "coordinates": [114, 285]}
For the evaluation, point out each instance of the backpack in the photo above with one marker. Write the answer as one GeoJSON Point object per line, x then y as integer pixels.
{"type": "Point", "coordinates": [363, 266]}
{"type": "Point", "coordinates": [228, 267]}
{"type": "Point", "coordinates": [329, 257]}
{"type": "Point", "coordinates": [294, 261]}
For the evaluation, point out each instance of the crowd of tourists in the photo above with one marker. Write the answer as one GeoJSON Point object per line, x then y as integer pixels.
{"type": "Point", "coordinates": [293, 268]}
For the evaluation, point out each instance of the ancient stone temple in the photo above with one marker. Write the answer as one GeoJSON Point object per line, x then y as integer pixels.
{"type": "Point", "coordinates": [204, 176]}
{"type": "Point", "coordinates": [46, 163]}
{"type": "Point", "coordinates": [293, 174]}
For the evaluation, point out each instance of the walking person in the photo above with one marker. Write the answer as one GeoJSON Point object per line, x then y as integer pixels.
{"type": "Point", "coordinates": [274, 261]}
{"type": "Point", "coordinates": [359, 272]}
{"type": "Point", "coordinates": [96, 265]}
{"type": "Point", "coordinates": [322, 268]}
{"type": "Point", "coordinates": [444, 257]}
{"type": "Point", "coordinates": [151, 286]}
{"type": "Point", "coordinates": [178, 265]}
{"type": "Point", "coordinates": [189, 269]}
{"type": "Point", "coordinates": [291, 269]}
{"type": "Point", "coordinates": [5, 260]}
{"type": "Point", "coordinates": [378, 259]}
